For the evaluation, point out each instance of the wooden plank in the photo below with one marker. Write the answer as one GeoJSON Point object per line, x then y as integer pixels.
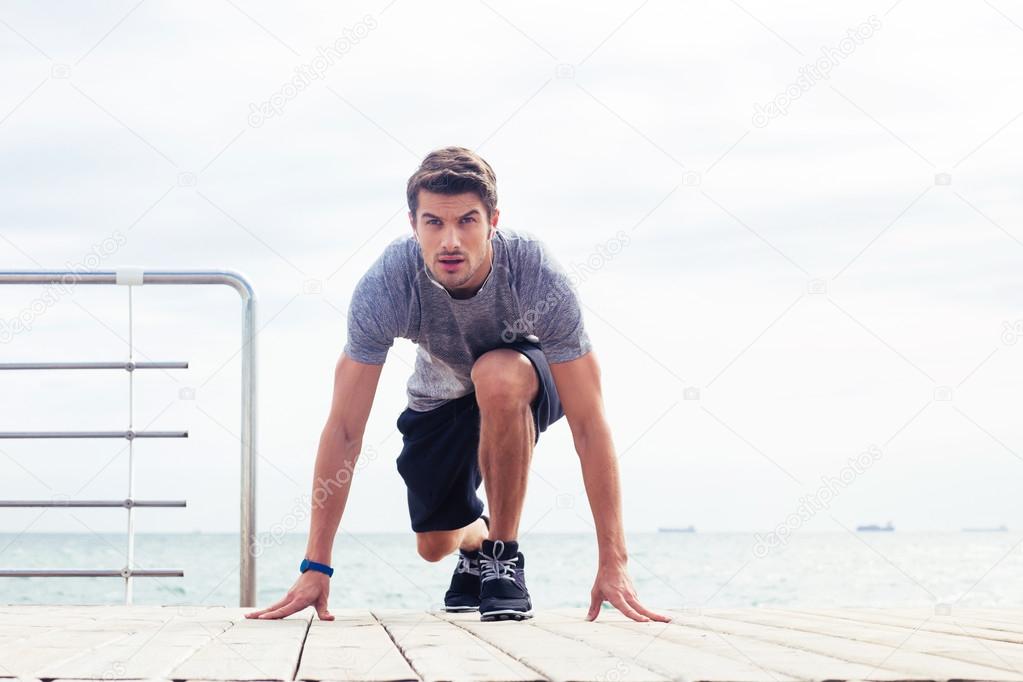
{"type": "Point", "coordinates": [993, 618]}
{"type": "Point", "coordinates": [892, 657]}
{"type": "Point", "coordinates": [130, 642]}
{"type": "Point", "coordinates": [16, 643]}
{"type": "Point", "coordinates": [907, 637]}
{"type": "Point", "coordinates": [986, 619]}
{"type": "Point", "coordinates": [768, 655]}
{"type": "Point", "coordinates": [354, 646]}
{"type": "Point", "coordinates": [703, 657]}
{"type": "Point", "coordinates": [117, 642]}
{"type": "Point", "coordinates": [1008, 615]}
{"type": "Point", "coordinates": [153, 642]}
{"type": "Point", "coordinates": [440, 650]}
{"type": "Point", "coordinates": [31, 657]}
{"type": "Point", "coordinates": [106, 641]}
{"type": "Point", "coordinates": [952, 625]}
{"type": "Point", "coordinates": [553, 655]}
{"type": "Point", "coordinates": [250, 649]}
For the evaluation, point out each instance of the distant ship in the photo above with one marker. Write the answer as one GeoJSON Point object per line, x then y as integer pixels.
{"type": "Point", "coordinates": [875, 527]}
{"type": "Point", "coordinates": [687, 529]}
{"type": "Point", "coordinates": [997, 529]}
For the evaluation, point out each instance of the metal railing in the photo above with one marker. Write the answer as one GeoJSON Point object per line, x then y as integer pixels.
{"type": "Point", "coordinates": [132, 277]}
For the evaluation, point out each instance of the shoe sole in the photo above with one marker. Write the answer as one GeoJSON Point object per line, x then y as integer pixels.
{"type": "Point", "coordinates": [505, 614]}
{"type": "Point", "coordinates": [461, 609]}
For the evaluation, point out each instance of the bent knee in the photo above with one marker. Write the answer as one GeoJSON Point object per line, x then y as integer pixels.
{"type": "Point", "coordinates": [504, 378]}
{"type": "Point", "coordinates": [433, 554]}
{"type": "Point", "coordinates": [433, 548]}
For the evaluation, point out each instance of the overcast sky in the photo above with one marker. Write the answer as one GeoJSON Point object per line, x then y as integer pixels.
{"type": "Point", "coordinates": [822, 242]}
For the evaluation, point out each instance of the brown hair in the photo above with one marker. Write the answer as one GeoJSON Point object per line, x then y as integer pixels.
{"type": "Point", "coordinates": [453, 170]}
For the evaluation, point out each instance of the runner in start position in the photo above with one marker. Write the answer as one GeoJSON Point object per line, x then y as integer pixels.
{"type": "Point", "coordinates": [502, 354]}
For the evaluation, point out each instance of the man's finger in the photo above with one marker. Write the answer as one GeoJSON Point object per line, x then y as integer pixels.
{"type": "Point", "coordinates": [619, 603]}
{"type": "Point", "coordinates": [595, 602]}
{"type": "Point", "coordinates": [634, 602]}
{"type": "Point", "coordinates": [276, 605]}
{"type": "Point", "coordinates": [321, 611]}
{"type": "Point", "coordinates": [286, 610]}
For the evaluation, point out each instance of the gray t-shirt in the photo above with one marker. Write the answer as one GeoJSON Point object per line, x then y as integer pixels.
{"type": "Point", "coordinates": [526, 296]}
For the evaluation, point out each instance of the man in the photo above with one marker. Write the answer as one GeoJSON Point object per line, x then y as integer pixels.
{"type": "Point", "coordinates": [502, 354]}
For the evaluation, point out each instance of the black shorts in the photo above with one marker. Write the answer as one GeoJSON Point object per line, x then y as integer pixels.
{"type": "Point", "coordinates": [439, 459]}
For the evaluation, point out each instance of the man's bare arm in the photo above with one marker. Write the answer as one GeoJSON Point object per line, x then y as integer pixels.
{"type": "Point", "coordinates": [578, 384]}
{"type": "Point", "coordinates": [355, 386]}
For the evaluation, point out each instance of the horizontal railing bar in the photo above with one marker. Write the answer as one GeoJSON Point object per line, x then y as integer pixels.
{"type": "Point", "coordinates": [228, 277]}
{"type": "Point", "coordinates": [95, 365]}
{"type": "Point", "coordinates": [94, 434]}
{"type": "Point", "coordinates": [93, 503]}
{"type": "Point", "coordinates": [134, 276]}
{"type": "Point", "coordinates": [90, 573]}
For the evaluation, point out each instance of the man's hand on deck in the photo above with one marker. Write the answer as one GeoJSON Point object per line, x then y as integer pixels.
{"type": "Point", "coordinates": [311, 589]}
{"type": "Point", "coordinates": [614, 585]}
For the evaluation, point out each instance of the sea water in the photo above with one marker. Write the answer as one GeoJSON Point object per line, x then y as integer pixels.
{"type": "Point", "coordinates": [669, 570]}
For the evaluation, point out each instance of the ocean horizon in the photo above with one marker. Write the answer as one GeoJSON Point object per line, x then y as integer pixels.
{"type": "Point", "coordinates": [670, 570]}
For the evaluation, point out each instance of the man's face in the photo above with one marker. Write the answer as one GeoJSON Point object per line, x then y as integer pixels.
{"type": "Point", "coordinates": [454, 235]}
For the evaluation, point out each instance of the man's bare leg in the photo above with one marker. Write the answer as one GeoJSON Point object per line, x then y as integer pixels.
{"type": "Point", "coordinates": [434, 545]}
{"type": "Point", "coordinates": [506, 385]}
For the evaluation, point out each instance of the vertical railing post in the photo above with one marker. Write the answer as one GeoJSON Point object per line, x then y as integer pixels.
{"type": "Point", "coordinates": [247, 571]}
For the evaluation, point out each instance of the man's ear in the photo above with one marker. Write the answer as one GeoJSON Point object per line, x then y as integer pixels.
{"type": "Point", "coordinates": [493, 221]}
{"type": "Point", "coordinates": [412, 222]}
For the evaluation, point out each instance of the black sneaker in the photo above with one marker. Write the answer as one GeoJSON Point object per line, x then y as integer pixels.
{"type": "Point", "coordinates": [463, 595]}
{"type": "Point", "coordinates": [503, 593]}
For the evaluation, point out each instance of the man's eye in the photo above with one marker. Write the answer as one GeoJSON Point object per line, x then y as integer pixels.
{"type": "Point", "coordinates": [470, 219]}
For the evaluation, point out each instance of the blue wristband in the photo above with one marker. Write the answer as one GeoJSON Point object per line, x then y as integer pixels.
{"type": "Point", "coordinates": [307, 565]}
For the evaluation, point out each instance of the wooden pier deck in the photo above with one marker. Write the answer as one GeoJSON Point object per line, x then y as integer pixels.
{"type": "Point", "coordinates": [215, 643]}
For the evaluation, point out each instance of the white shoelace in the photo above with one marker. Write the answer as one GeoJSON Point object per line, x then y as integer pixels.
{"type": "Point", "coordinates": [493, 569]}
{"type": "Point", "coordinates": [465, 565]}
